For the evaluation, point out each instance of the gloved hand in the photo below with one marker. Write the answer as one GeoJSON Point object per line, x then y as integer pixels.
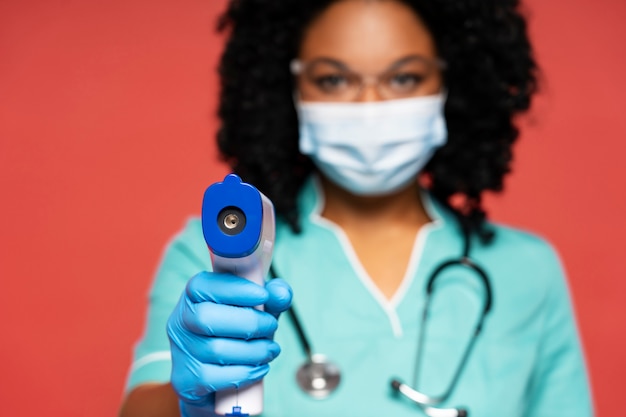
{"type": "Point", "coordinates": [218, 341]}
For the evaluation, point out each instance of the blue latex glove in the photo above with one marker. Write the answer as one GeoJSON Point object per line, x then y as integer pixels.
{"type": "Point", "coordinates": [218, 341]}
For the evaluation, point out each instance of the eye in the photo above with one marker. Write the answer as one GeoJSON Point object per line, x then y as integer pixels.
{"type": "Point", "coordinates": [331, 82]}
{"type": "Point", "coordinates": [404, 81]}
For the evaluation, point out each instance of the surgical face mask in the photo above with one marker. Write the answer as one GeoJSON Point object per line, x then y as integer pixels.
{"type": "Point", "coordinates": [372, 148]}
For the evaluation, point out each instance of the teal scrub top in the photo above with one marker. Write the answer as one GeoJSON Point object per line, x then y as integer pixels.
{"type": "Point", "coordinates": [526, 362]}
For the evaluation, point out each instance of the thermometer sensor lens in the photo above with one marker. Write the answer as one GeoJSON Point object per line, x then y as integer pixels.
{"type": "Point", "coordinates": [231, 221]}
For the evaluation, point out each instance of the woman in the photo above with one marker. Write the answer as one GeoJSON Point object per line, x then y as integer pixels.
{"type": "Point", "coordinates": [374, 127]}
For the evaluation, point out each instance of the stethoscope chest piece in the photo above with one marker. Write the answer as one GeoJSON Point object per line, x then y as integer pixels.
{"type": "Point", "coordinates": [318, 377]}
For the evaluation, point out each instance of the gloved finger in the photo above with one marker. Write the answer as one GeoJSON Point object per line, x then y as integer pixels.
{"type": "Point", "coordinates": [224, 351]}
{"type": "Point", "coordinates": [218, 378]}
{"type": "Point", "coordinates": [220, 320]}
{"type": "Point", "coordinates": [280, 296]}
{"type": "Point", "coordinates": [194, 385]}
{"type": "Point", "coordinates": [225, 289]}
{"type": "Point", "coordinates": [195, 382]}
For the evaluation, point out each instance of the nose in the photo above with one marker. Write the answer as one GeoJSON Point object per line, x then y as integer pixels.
{"type": "Point", "coordinates": [369, 91]}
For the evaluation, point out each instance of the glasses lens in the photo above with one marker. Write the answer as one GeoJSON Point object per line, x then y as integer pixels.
{"type": "Point", "coordinates": [323, 80]}
{"type": "Point", "coordinates": [406, 79]}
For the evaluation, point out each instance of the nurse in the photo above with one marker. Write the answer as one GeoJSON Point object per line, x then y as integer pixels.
{"type": "Point", "coordinates": [374, 127]}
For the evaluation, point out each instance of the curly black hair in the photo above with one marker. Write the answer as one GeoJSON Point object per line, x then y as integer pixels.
{"type": "Point", "coordinates": [490, 77]}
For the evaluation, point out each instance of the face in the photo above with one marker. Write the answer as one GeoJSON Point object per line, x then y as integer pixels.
{"type": "Point", "coordinates": [364, 50]}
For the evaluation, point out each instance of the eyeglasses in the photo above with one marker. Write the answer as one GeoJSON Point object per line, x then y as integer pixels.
{"type": "Point", "coordinates": [326, 79]}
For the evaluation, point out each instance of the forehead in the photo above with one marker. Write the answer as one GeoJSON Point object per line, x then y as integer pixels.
{"type": "Point", "coordinates": [368, 35]}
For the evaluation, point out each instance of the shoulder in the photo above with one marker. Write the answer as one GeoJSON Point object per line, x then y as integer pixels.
{"type": "Point", "coordinates": [509, 245]}
{"type": "Point", "coordinates": [527, 279]}
{"type": "Point", "coordinates": [186, 253]}
{"type": "Point", "coordinates": [523, 266]}
{"type": "Point", "coordinates": [528, 247]}
{"type": "Point", "coordinates": [190, 234]}
{"type": "Point", "coordinates": [189, 241]}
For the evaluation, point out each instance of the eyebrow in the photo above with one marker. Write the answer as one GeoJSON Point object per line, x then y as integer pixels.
{"type": "Point", "coordinates": [398, 63]}
{"type": "Point", "coordinates": [408, 58]}
{"type": "Point", "coordinates": [333, 62]}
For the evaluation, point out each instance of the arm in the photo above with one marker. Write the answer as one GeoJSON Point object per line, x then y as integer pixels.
{"type": "Point", "coordinates": [559, 385]}
{"type": "Point", "coordinates": [148, 391]}
{"type": "Point", "coordinates": [151, 400]}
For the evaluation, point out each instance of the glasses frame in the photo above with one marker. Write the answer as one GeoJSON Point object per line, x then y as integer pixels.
{"type": "Point", "coordinates": [299, 67]}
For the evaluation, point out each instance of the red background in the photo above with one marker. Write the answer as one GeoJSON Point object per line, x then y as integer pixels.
{"type": "Point", "coordinates": [106, 145]}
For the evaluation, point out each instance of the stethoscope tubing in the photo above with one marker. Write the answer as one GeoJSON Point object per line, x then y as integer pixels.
{"type": "Point", "coordinates": [293, 316]}
{"type": "Point", "coordinates": [426, 402]}
{"type": "Point", "coordinates": [464, 261]}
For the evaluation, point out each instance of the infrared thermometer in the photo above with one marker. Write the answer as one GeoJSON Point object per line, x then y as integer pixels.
{"type": "Point", "coordinates": [239, 228]}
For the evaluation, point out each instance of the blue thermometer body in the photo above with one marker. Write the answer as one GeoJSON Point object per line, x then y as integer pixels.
{"type": "Point", "coordinates": [238, 224]}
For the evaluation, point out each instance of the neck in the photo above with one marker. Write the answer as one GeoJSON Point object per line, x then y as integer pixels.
{"type": "Point", "coordinates": [403, 208]}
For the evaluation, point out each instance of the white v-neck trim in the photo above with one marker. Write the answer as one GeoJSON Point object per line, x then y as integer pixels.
{"type": "Point", "coordinates": [388, 306]}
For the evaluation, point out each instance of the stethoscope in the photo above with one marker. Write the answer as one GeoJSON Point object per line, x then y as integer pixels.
{"type": "Point", "coordinates": [319, 377]}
